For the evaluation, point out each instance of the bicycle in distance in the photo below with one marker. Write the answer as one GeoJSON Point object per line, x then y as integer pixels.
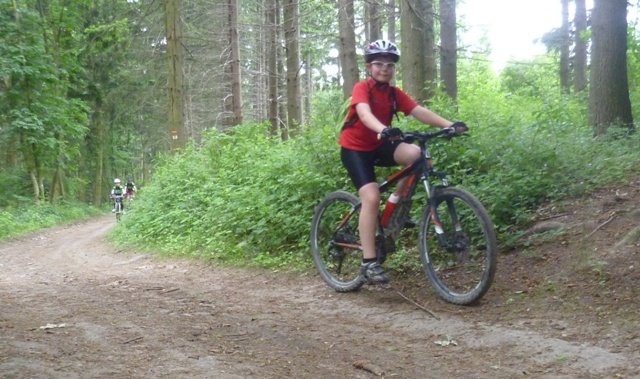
{"type": "Point", "coordinates": [128, 199]}
{"type": "Point", "coordinates": [456, 238]}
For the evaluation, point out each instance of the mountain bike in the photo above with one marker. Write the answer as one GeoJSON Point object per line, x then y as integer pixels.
{"type": "Point", "coordinates": [118, 206]}
{"type": "Point", "coordinates": [128, 198]}
{"type": "Point", "coordinates": [456, 239]}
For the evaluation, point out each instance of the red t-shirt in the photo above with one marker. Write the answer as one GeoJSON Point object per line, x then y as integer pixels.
{"type": "Point", "coordinates": [379, 97]}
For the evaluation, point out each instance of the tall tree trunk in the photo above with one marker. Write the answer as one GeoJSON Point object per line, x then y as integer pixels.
{"type": "Point", "coordinates": [177, 133]}
{"type": "Point", "coordinates": [418, 60]}
{"type": "Point", "coordinates": [99, 187]}
{"type": "Point", "coordinates": [33, 164]}
{"type": "Point", "coordinates": [261, 40]}
{"type": "Point", "coordinates": [449, 48]}
{"type": "Point", "coordinates": [348, 58]}
{"type": "Point", "coordinates": [609, 102]}
{"type": "Point", "coordinates": [412, 47]}
{"type": "Point", "coordinates": [234, 43]}
{"type": "Point", "coordinates": [430, 65]}
{"type": "Point", "coordinates": [309, 87]}
{"type": "Point", "coordinates": [57, 185]}
{"type": "Point", "coordinates": [373, 20]}
{"type": "Point", "coordinates": [283, 123]}
{"type": "Point", "coordinates": [580, 54]}
{"type": "Point", "coordinates": [272, 64]}
{"type": "Point", "coordinates": [565, 42]}
{"type": "Point", "coordinates": [35, 186]}
{"type": "Point", "coordinates": [292, 39]}
{"type": "Point", "coordinates": [36, 173]}
{"type": "Point", "coordinates": [41, 185]}
{"type": "Point", "coordinates": [391, 20]}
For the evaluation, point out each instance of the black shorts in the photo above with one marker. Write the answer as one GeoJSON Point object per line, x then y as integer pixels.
{"type": "Point", "coordinates": [360, 164]}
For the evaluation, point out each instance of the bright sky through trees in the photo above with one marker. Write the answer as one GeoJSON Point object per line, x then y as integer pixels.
{"type": "Point", "coordinates": [512, 28]}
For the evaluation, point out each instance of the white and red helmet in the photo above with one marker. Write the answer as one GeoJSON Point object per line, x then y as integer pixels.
{"type": "Point", "coordinates": [381, 48]}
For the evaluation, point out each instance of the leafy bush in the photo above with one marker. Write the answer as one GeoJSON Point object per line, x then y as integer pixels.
{"type": "Point", "coordinates": [243, 197]}
{"type": "Point", "coordinates": [13, 187]}
{"type": "Point", "coordinates": [248, 198]}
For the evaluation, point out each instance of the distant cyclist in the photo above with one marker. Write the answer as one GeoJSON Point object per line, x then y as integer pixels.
{"type": "Point", "coordinates": [130, 189]}
{"type": "Point", "coordinates": [117, 191]}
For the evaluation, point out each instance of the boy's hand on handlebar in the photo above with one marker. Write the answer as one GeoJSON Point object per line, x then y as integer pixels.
{"type": "Point", "coordinates": [390, 133]}
{"type": "Point", "coordinates": [459, 127]}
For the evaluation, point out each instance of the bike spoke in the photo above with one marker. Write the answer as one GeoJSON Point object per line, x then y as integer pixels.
{"type": "Point", "coordinates": [336, 242]}
{"type": "Point", "coordinates": [459, 248]}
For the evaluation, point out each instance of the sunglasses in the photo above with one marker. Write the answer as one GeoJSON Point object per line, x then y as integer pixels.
{"type": "Point", "coordinates": [381, 65]}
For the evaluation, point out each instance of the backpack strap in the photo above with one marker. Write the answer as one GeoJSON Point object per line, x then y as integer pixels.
{"type": "Point", "coordinates": [394, 105]}
{"type": "Point", "coordinates": [349, 123]}
{"type": "Point", "coordinates": [394, 108]}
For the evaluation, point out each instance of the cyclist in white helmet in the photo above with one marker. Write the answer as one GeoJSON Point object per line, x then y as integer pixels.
{"type": "Point", "coordinates": [368, 139]}
{"type": "Point", "coordinates": [117, 190]}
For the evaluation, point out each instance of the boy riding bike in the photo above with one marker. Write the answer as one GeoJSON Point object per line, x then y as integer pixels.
{"type": "Point", "coordinates": [367, 140]}
{"type": "Point", "coordinates": [130, 189]}
{"type": "Point", "coordinates": [117, 191]}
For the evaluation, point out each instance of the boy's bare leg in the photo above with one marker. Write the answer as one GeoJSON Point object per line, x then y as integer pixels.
{"type": "Point", "coordinates": [405, 154]}
{"type": "Point", "coordinates": [370, 199]}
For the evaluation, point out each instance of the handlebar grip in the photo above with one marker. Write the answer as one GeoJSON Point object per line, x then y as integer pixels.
{"type": "Point", "coordinates": [459, 127]}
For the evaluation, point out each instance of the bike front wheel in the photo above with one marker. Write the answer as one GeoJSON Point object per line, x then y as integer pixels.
{"type": "Point", "coordinates": [458, 246]}
{"type": "Point", "coordinates": [118, 211]}
{"type": "Point", "coordinates": [335, 241]}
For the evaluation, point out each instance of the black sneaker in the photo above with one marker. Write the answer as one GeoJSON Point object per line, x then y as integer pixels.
{"type": "Point", "coordinates": [373, 273]}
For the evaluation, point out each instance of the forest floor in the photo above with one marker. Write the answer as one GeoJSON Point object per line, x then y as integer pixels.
{"type": "Point", "coordinates": [565, 304]}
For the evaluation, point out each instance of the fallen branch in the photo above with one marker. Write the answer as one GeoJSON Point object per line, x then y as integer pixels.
{"type": "Point", "coordinates": [600, 226]}
{"type": "Point", "coordinates": [132, 340]}
{"type": "Point", "coordinates": [368, 366]}
{"type": "Point", "coordinates": [418, 305]}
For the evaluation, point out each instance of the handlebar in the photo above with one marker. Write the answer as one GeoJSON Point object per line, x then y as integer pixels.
{"type": "Point", "coordinates": [423, 137]}
{"type": "Point", "coordinates": [410, 137]}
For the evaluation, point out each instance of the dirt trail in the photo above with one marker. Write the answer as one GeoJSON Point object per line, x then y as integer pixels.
{"type": "Point", "coordinates": [72, 306]}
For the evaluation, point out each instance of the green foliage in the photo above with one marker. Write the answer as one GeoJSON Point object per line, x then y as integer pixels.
{"type": "Point", "coordinates": [325, 103]}
{"type": "Point", "coordinates": [43, 123]}
{"type": "Point", "coordinates": [531, 144]}
{"type": "Point", "coordinates": [74, 94]}
{"type": "Point", "coordinates": [15, 221]}
{"type": "Point", "coordinates": [244, 197]}
{"type": "Point", "coordinates": [13, 188]}
{"type": "Point", "coordinates": [633, 64]}
{"type": "Point", "coordinates": [247, 198]}
{"type": "Point", "coordinates": [32, 105]}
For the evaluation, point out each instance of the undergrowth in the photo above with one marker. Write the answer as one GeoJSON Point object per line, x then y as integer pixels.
{"type": "Point", "coordinates": [247, 198]}
{"type": "Point", "coordinates": [18, 220]}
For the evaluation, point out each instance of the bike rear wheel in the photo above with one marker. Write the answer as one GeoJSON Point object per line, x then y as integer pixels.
{"type": "Point", "coordinates": [458, 246]}
{"type": "Point", "coordinates": [335, 241]}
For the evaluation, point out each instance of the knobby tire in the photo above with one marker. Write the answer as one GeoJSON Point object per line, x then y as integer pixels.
{"type": "Point", "coordinates": [459, 264]}
{"type": "Point", "coordinates": [335, 247]}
